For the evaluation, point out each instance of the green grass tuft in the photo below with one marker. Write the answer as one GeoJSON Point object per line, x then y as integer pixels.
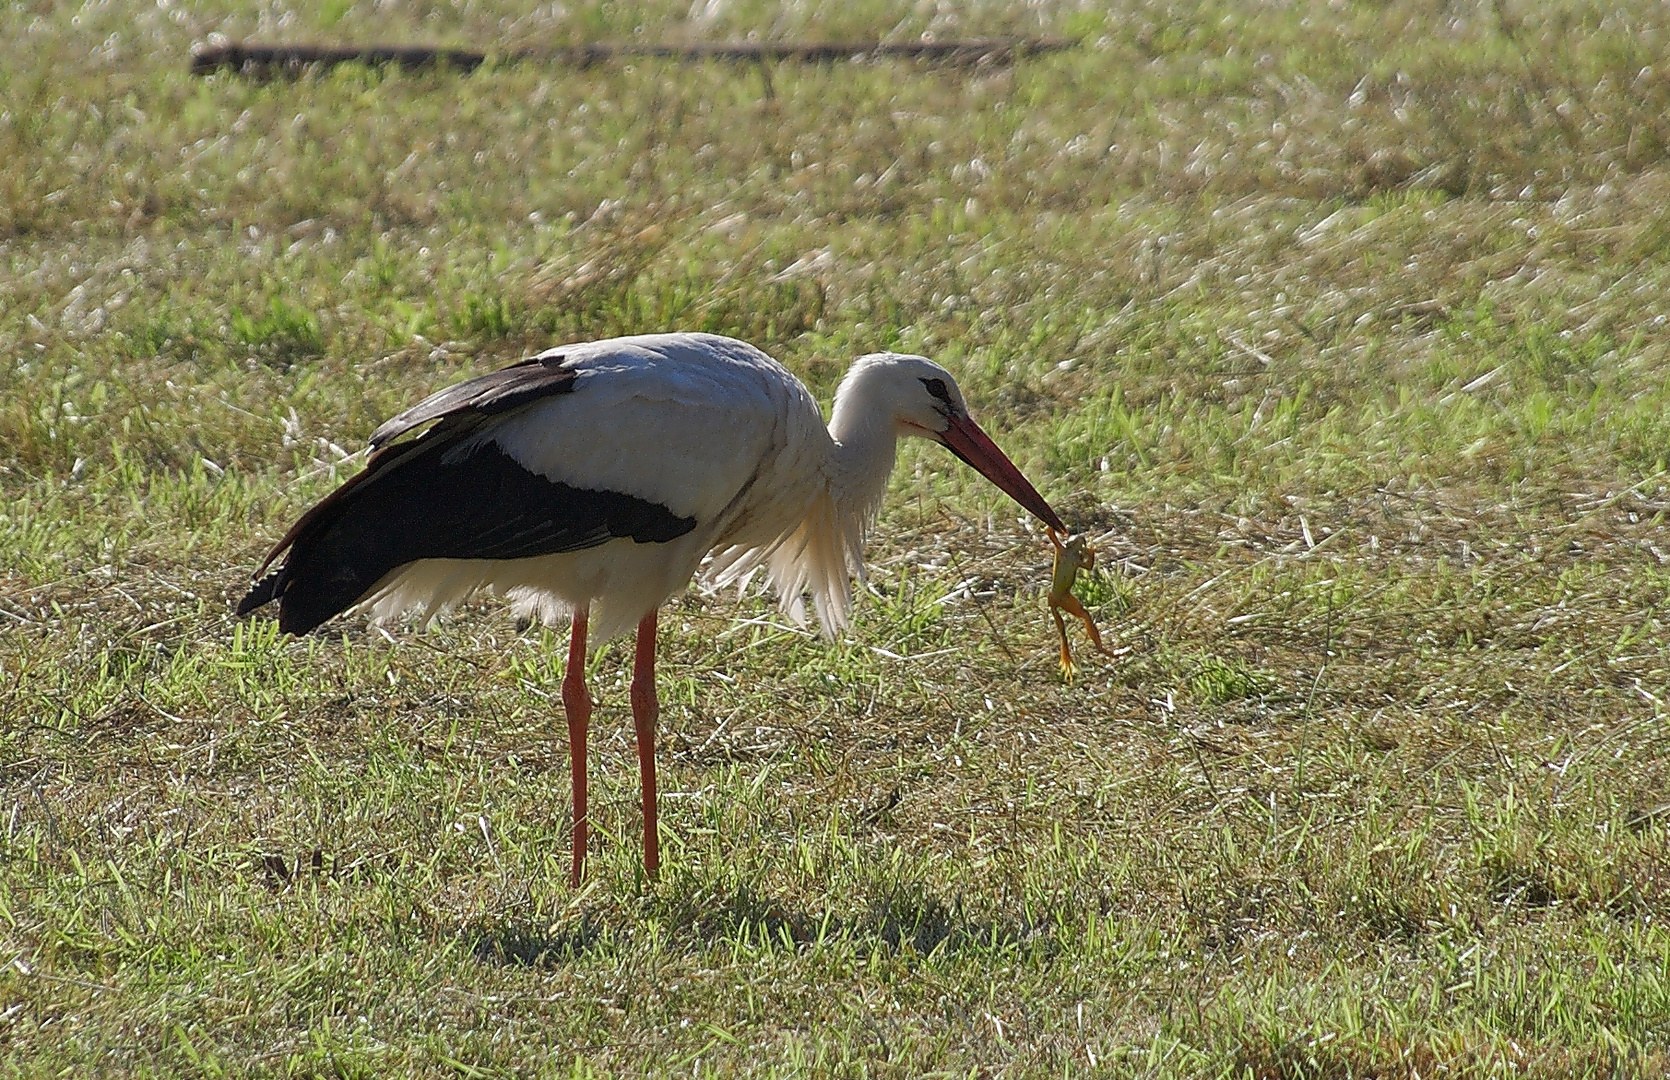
{"type": "Point", "coordinates": [1217, 680]}
{"type": "Point", "coordinates": [285, 330]}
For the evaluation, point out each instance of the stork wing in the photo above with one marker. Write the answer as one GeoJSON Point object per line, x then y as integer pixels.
{"type": "Point", "coordinates": [635, 438]}
{"type": "Point", "coordinates": [446, 495]}
{"type": "Point", "coordinates": [495, 392]}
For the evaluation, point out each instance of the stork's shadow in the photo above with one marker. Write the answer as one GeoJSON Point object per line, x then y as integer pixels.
{"type": "Point", "coordinates": [529, 944]}
{"type": "Point", "coordinates": [901, 921]}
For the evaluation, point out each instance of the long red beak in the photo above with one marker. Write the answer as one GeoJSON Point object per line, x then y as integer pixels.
{"type": "Point", "coordinates": [965, 439]}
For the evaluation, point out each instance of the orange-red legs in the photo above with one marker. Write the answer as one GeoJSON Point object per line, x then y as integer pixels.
{"type": "Point", "coordinates": [645, 710]}
{"type": "Point", "coordinates": [576, 702]}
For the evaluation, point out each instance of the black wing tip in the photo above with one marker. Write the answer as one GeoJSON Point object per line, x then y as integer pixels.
{"type": "Point", "coordinates": [292, 619]}
{"type": "Point", "coordinates": [298, 624]}
{"type": "Point", "coordinates": [658, 528]}
{"type": "Point", "coordinates": [260, 594]}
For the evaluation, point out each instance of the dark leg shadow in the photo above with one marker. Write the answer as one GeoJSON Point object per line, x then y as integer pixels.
{"type": "Point", "coordinates": [531, 945]}
{"type": "Point", "coordinates": [905, 919]}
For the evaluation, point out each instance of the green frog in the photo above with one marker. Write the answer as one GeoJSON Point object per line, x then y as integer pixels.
{"type": "Point", "coordinates": [1072, 554]}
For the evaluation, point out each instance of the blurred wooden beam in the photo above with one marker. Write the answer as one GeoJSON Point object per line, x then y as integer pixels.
{"type": "Point", "coordinates": [254, 58]}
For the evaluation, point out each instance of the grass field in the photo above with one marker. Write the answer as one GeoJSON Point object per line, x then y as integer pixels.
{"type": "Point", "coordinates": [1341, 325]}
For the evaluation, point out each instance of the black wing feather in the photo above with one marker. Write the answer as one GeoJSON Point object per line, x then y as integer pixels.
{"type": "Point", "coordinates": [485, 395]}
{"type": "Point", "coordinates": [434, 498]}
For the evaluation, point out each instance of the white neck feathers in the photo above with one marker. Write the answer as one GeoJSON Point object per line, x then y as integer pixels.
{"type": "Point", "coordinates": [865, 447]}
{"type": "Point", "coordinates": [822, 552]}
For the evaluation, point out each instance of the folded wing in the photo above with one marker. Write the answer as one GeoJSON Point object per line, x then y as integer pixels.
{"type": "Point", "coordinates": [447, 494]}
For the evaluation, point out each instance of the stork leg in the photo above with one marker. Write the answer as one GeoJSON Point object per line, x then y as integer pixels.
{"type": "Point", "coordinates": [576, 702]}
{"type": "Point", "coordinates": [645, 710]}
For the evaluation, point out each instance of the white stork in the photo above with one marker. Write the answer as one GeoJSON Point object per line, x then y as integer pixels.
{"type": "Point", "coordinates": [590, 482]}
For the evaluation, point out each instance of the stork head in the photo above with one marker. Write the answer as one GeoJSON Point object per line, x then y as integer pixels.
{"type": "Point", "coordinates": [918, 398]}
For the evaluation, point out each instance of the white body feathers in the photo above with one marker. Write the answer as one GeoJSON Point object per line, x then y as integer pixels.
{"type": "Point", "coordinates": [710, 428]}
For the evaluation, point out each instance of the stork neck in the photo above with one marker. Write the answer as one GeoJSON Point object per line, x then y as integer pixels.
{"type": "Point", "coordinates": [865, 447]}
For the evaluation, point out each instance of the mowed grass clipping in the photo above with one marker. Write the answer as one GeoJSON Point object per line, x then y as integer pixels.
{"type": "Point", "coordinates": [1340, 327]}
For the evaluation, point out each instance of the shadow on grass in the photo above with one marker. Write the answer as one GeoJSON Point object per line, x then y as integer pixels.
{"type": "Point", "coordinates": [904, 920]}
{"type": "Point", "coordinates": [519, 944]}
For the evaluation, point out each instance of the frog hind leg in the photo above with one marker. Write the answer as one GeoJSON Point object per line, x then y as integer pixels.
{"type": "Point", "coordinates": [1068, 668]}
{"type": "Point", "coordinates": [1071, 603]}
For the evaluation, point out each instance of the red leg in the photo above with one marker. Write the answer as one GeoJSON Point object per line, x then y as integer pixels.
{"type": "Point", "coordinates": [577, 703]}
{"type": "Point", "coordinates": [645, 709]}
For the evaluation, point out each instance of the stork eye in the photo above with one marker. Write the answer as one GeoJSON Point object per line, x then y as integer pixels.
{"type": "Point", "coordinates": [936, 388]}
